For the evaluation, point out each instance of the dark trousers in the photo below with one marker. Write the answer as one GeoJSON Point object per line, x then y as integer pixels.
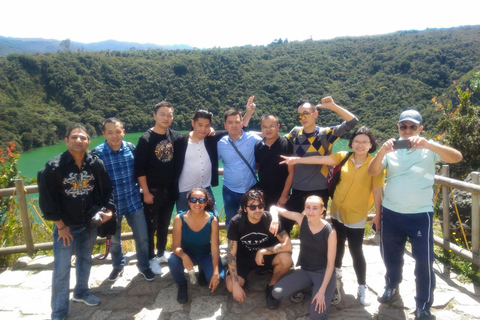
{"type": "Point", "coordinates": [355, 242]}
{"type": "Point", "coordinates": [158, 216]}
{"type": "Point", "coordinates": [417, 227]}
{"type": "Point", "coordinates": [296, 202]}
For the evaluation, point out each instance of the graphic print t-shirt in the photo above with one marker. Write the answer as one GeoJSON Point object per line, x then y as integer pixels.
{"type": "Point", "coordinates": [253, 236]}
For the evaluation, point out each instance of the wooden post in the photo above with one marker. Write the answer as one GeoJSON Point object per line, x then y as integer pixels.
{"type": "Point", "coordinates": [446, 211]}
{"type": "Point", "coordinates": [22, 204]}
{"type": "Point", "coordinates": [476, 218]}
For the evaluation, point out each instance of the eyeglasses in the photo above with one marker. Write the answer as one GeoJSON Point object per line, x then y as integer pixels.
{"type": "Point", "coordinates": [254, 207]}
{"type": "Point", "coordinates": [362, 143]}
{"type": "Point", "coordinates": [304, 114]}
{"type": "Point", "coordinates": [413, 127]}
{"type": "Point", "coordinates": [200, 200]}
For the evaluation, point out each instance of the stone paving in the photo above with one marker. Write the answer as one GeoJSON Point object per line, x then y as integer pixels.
{"type": "Point", "coordinates": [26, 289]}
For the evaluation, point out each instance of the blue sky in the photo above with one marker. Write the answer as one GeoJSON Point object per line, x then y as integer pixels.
{"type": "Point", "coordinates": [225, 23]}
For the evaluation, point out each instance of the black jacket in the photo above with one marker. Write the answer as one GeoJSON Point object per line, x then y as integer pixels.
{"type": "Point", "coordinates": [69, 193]}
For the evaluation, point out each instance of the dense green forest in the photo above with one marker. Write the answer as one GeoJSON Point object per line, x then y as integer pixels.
{"type": "Point", "coordinates": [374, 77]}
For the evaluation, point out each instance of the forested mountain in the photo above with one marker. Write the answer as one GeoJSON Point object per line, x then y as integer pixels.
{"type": "Point", "coordinates": [374, 77]}
{"type": "Point", "coordinates": [9, 45]}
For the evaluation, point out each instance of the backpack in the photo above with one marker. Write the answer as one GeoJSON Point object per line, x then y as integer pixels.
{"type": "Point", "coordinates": [334, 175]}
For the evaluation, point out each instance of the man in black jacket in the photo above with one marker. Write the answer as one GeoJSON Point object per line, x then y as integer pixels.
{"type": "Point", "coordinates": [73, 187]}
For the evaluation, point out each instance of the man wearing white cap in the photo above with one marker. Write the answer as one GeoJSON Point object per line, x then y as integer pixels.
{"type": "Point", "coordinates": [407, 207]}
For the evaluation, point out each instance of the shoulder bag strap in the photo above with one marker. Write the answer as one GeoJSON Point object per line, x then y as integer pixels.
{"type": "Point", "coordinates": [244, 160]}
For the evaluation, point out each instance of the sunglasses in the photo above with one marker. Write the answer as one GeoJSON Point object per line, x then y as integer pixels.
{"type": "Point", "coordinates": [254, 207]}
{"type": "Point", "coordinates": [305, 114]}
{"type": "Point", "coordinates": [200, 200]}
{"type": "Point", "coordinates": [413, 127]}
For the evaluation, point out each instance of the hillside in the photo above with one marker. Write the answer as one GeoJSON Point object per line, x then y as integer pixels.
{"type": "Point", "coordinates": [375, 77]}
{"type": "Point", "coordinates": [9, 45]}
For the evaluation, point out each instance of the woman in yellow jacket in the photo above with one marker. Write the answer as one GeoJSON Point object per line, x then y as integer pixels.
{"type": "Point", "coordinates": [354, 195]}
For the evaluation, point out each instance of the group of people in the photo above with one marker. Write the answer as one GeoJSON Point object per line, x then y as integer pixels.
{"type": "Point", "coordinates": [143, 183]}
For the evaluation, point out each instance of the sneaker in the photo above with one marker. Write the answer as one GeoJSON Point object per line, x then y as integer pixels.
{"type": "Point", "coordinates": [297, 297]}
{"type": "Point", "coordinates": [148, 274]}
{"type": "Point", "coordinates": [201, 280]}
{"type": "Point", "coordinates": [89, 300]}
{"type": "Point", "coordinates": [387, 295]}
{"type": "Point", "coordinates": [422, 314]}
{"type": "Point", "coordinates": [155, 266]}
{"type": "Point", "coordinates": [115, 274]}
{"type": "Point", "coordinates": [164, 258]}
{"type": "Point", "coordinates": [338, 273]}
{"type": "Point", "coordinates": [337, 297]}
{"type": "Point", "coordinates": [272, 303]}
{"type": "Point", "coordinates": [362, 295]}
{"type": "Point", "coordinates": [182, 295]}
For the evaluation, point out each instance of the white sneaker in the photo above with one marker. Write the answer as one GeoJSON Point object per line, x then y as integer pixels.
{"type": "Point", "coordinates": [155, 266]}
{"type": "Point", "coordinates": [338, 273]}
{"type": "Point", "coordinates": [362, 295]}
{"type": "Point", "coordinates": [164, 258]}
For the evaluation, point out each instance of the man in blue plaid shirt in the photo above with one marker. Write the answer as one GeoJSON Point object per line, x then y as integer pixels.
{"type": "Point", "coordinates": [118, 157]}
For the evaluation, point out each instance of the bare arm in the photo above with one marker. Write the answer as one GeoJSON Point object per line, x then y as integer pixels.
{"type": "Point", "coordinates": [447, 154]}
{"type": "Point", "coordinates": [376, 166]}
{"type": "Point", "coordinates": [250, 109]}
{"type": "Point", "coordinates": [177, 242]}
{"type": "Point", "coordinates": [319, 298]}
{"type": "Point", "coordinates": [285, 245]}
{"type": "Point", "coordinates": [291, 215]}
{"type": "Point", "coordinates": [237, 291]}
{"type": "Point", "coordinates": [377, 199]}
{"type": "Point", "coordinates": [214, 240]}
{"type": "Point", "coordinates": [328, 103]}
{"type": "Point", "coordinates": [327, 160]}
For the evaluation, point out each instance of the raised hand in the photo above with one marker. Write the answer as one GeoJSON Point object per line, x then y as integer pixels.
{"type": "Point", "coordinates": [326, 103]}
{"type": "Point", "coordinates": [250, 105]}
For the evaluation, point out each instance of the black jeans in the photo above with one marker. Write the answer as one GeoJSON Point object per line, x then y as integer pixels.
{"type": "Point", "coordinates": [159, 215]}
{"type": "Point", "coordinates": [355, 242]}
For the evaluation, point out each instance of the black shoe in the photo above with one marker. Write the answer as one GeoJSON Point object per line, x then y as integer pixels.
{"type": "Point", "coordinates": [201, 280]}
{"type": "Point", "coordinates": [148, 274]}
{"type": "Point", "coordinates": [272, 303]}
{"type": "Point", "coordinates": [115, 274]}
{"type": "Point", "coordinates": [387, 295]}
{"type": "Point", "coordinates": [182, 295]}
{"type": "Point", "coordinates": [422, 314]}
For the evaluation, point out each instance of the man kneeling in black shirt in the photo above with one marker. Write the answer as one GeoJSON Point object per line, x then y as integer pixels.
{"type": "Point", "coordinates": [251, 245]}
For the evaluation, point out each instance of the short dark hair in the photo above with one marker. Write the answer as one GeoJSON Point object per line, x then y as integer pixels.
{"type": "Point", "coordinates": [269, 115]}
{"type": "Point", "coordinates": [301, 102]}
{"type": "Point", "coordinates": [163, 103]}
{"type": "Point", "coordinates": [203, 114]}
{"type": "Point", "coordinates": [208, 196]}
{"type": "Point", "coordinates": [366, 131]}
{"type": "Point", "coordinates": [76, 126]}
{"type": "Point", "coordinates": [251, 195]}
{"type": "Point", "coordinates": [231, 112]}
{"type": "Point", "coordinates": [111, 120]}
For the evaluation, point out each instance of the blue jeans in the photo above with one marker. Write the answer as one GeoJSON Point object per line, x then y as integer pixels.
{"type": "Point", "coordinates": [175, 264]}
{"type": "Point", "coordinates": [231, 202]}
{"type": "Point", "coordinates": [138, 224]}
{"type": "Point", "coordinates": [83, 241]}
{"type": "Point", "coordinates": [182, 202]}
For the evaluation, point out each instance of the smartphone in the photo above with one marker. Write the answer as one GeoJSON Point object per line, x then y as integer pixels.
{"type": "Point", "coordinates": [402, 144]}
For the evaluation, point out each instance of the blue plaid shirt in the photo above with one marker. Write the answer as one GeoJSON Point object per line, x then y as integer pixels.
{"type": "Point", "coordinates": [120, 169]}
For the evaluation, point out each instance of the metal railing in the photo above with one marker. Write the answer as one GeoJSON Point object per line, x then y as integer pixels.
{"type": "Point", "coordinates": [472, 256]}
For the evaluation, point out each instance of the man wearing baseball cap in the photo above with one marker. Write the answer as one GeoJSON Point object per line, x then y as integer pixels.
{"type": "Point", "coordinates": [407, 207]}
